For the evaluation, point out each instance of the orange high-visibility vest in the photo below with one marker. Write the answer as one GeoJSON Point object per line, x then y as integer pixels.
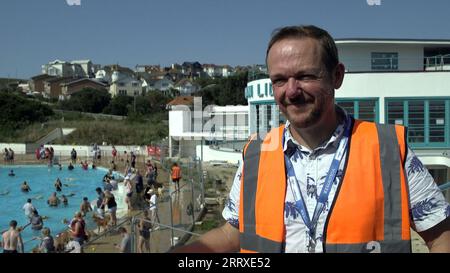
{"type": "Point", "coordinates": [370, 212]}
{"type": "Point", "coordinates": [176, 172]}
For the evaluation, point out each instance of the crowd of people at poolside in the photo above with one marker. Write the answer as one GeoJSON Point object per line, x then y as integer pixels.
{"type": "Point", "coordinates": [104, 207]}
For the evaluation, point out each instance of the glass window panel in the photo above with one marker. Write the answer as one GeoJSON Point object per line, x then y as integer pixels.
{"type": "Point", "coordinates": [395, 112]}
{"type": "Point", "coordinates": [348, 106]}
{"type": "Point", "coordinates": [367, 110]}
{"type": "Point", "coordinates": [384, 61]}
{"type": "Point", "coordinates": [437, 121]}
{"type": "Point", "coordinates": [416, 122]}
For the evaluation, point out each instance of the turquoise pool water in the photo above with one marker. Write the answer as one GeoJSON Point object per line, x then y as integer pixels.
{"type": "Point", "coordinates": [41, 180]}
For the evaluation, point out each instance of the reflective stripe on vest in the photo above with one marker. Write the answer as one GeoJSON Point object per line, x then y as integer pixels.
{"type": "Point", "coordinates": [249, 240]}
{"type": "Point", "coordinates": [388, 226]}
{"type": "Point", "coordinates": [391, 167]}
{"type": "Point", "coordinates": [399, 246]}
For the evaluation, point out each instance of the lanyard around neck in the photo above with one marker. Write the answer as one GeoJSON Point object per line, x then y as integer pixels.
{"type": "Point", "coordinates": [323, 197]}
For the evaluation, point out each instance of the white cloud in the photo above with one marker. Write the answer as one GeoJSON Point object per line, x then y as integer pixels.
{"type": "Point", "coordinates": [373, 2]}
{"type": "Point", "coordinates": [73, 2]}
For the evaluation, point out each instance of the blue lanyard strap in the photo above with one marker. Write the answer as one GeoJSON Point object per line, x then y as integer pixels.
{"type": "Point", "coordinates": [323, 197]}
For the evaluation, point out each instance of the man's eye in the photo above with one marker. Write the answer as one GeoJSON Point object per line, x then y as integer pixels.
{"type": "Point", "coordinates": [278, 82]}
{"type": "Point", "coordinates": [307, 78]}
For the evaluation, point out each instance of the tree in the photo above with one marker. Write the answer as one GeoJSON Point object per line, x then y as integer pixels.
{"type": "Point", "coordinates": [226, 91]}
{"type": "Point", "coordinates": [157, 101]}
{"type": "Point", "coordinates": [119, 105]}
{"type": "Point", "coordinates": [87, 100]}
{"type": "Point", "coordinates": [17, 112]}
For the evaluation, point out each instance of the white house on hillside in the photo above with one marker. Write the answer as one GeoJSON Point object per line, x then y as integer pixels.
{"type": "Point", "coordinates": [186, 87]}
{"type": "Point", "coordinates": [75, 69]}
{"type": "Point", "coordinates": [122, 84]}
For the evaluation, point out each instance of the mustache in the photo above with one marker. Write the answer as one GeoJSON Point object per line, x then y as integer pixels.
{"type": "Point", "coordinates": [295, 100]}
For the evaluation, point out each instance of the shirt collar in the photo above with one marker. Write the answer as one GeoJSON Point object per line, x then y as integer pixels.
{"type": "Point", "coordinates": [290, 145]}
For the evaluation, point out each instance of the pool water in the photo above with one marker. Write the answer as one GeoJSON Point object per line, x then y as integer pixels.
{"type": "Point", "coordinates": [41, 179]}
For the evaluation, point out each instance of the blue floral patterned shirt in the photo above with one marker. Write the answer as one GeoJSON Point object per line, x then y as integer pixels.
{"type": "Point", "coordinates": [427, 203]}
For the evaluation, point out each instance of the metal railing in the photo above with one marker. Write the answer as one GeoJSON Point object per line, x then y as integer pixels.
{"type": "Point", "coordinates": [176, 212]}
{"type": "Point", "coordinates": [437, 63]}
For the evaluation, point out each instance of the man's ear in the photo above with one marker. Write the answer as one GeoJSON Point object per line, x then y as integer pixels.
{"type": "Point", "coordinates": [338, 78]}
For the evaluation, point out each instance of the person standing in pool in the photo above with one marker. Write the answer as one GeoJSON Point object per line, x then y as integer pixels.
{"type": "Point", "coordinates": [47, 243]}
{"type": "Point", "coordinates": [73, 156]}
{"type": "Point", "coordinates": [77, 228]}
{"type": "Point", "coordinates": [11, 239]}
{"type": "Point", "coordinates": [25, 187]}
{"type": "Point", "coordinates": [99, 204]}
{"type": "Point", "coordinates": [53, 200]}
{"type": "Point", "coordinates": [58, 185]}
{"type": "Point", "coordinates": [64, 200]}
{"type": "Point", "coordinates": [28, 208]}
{"type": "Point", "coordinates": [36, 221]}
{"type": "Point", "coordinates": [85, 206]}
{"type": "Point", "coordinates": [110, 202]}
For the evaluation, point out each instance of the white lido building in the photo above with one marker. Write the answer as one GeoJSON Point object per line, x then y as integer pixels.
{"type": "Point", "coordinates": [213, 133]}
{"type": "Point", "coordinates": [395, 81]}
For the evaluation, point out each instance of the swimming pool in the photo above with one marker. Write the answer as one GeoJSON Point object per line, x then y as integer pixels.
{"type": "Point", "coordinates": [41, 180]}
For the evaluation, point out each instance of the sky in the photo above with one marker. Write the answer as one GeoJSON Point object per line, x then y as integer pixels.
{"type": "Point", "coordinates": [234, 32]}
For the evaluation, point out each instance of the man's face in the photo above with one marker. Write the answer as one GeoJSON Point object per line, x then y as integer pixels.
{"type": "Point", "coordinates": [303, 90]}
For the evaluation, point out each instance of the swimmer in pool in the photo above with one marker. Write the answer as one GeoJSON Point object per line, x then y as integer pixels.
{"type": "Point", "coordinates": [58, 185]}
{"type": "Point", "coordinates": [53, 200]}
{"type": "Point", "coordinates": [25, 187]}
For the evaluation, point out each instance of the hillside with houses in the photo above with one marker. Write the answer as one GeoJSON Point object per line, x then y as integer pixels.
{"type": "Point", "coordinates": [61, 79]}
{"type": "Point", "coordinates": [105, 102]}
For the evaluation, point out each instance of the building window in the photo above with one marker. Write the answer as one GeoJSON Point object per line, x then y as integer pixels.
{"type": "Point", "coordinates": [257, 118]}
{"type": "Point", "coordinates": [364, 109]}
{"type": "Point", "coordinates": [349, 106]}
{"type": "Point", "coordinates": [384, 61]}
{"type": "Point", "coordinates": [395, 112]}
{"type": "Point", "coordinates": [416, 122]}
{"type": "Point", "coordinates": [436, 119]}
{"type": "Point", "coordinates": [427, 120]}
{"type": "Point", "coordinates": [367, 110]}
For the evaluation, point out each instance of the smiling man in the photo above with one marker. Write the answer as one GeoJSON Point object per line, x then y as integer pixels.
{"type": "Point", "coordinates": [327, 182]}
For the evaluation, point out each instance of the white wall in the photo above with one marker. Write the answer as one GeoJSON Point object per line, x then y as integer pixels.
{"type": "Point", "coordinates": [16, 147]}
{"type": "Point", "coordinates": [216, 155]}
{"type": "Point", "coordinates": [179, 122]}
{"type": "Point", "coordinates": [82, 151]}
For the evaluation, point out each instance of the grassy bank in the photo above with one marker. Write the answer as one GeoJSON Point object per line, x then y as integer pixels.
{"type": "Point", "coordinates": [130, 131]}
